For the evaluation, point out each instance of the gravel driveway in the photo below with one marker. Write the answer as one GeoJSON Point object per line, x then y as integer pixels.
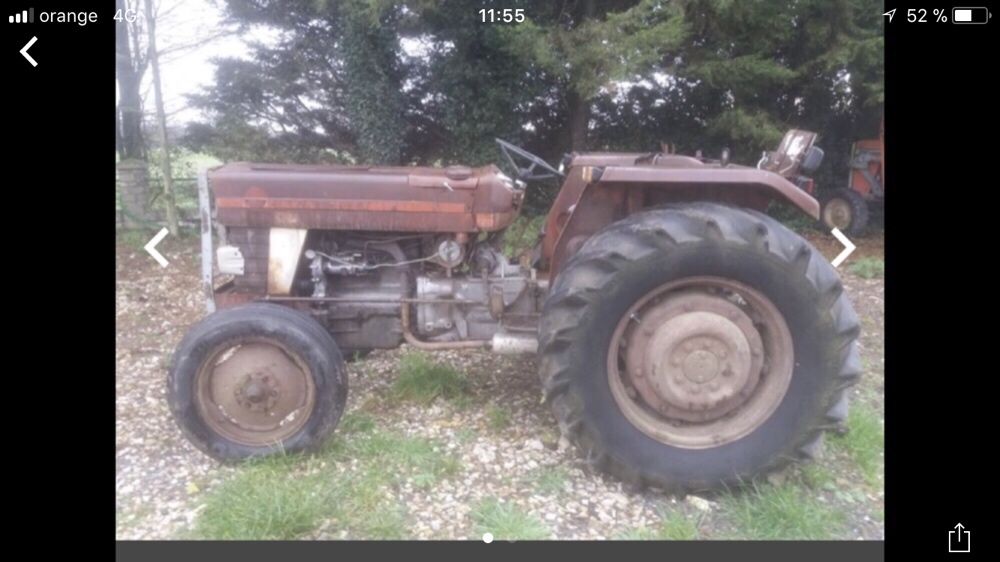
{"type": "Point", "coordinates": [507, 442]}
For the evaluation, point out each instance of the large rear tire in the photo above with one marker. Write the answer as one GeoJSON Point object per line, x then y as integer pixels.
{"type": "Point", "coordinates": [697, 346]}
{"type": "Point", "coordinates": [255, 380]}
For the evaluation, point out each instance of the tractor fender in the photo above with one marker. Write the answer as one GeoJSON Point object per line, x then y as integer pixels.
{"type": "Point", "coordinates": [734, 178]}
{"type": "Point", "coordinates": [594, 196]}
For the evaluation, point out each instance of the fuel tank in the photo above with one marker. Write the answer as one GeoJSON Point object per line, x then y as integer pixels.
{"type": "Point", "coordinates": [403, 199]}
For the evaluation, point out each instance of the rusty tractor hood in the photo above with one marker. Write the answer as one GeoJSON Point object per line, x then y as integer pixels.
{"type": "Point", "coordinates": [413, 199]}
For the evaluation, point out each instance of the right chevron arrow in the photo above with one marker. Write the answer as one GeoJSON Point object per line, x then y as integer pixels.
{"type": "Point", "coordinates": [848, 247]}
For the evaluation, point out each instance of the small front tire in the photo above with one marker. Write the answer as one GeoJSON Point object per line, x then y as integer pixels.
{"type": "Point", "coordinates": [255, 380]}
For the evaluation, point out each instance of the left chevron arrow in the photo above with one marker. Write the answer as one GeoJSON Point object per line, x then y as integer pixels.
{"type": "Point", "coordinates": [24, 51]}
{"type": "Point", "coordinates": [150, 247]}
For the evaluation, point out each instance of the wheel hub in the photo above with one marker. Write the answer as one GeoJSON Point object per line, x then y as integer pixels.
{"type": "Point", "coordinates": [692, 357]}
{"type": "Point", "coordinates": [255, 392]}
{"type": "Point", "coordinates": [258, 393]}
{"type": "Point", "coordinates": [838, 213]}
{"type": "Point", "coordinates": [700, 362]}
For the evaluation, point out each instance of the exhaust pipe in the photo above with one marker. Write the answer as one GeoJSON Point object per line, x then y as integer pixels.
{"type": "Point", "coordinates": [512, 344]}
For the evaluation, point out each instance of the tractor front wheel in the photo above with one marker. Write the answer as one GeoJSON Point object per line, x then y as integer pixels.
{"type": "Point", "coordinates": [697, 346]}
{"type": "Point", "coordinates": [257, 379]}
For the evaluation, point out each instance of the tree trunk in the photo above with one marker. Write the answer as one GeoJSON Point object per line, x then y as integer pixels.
{"type": "Point", "coordinates": [129, 116]}
{"type": "Point", "coordinates": [161, 118]}
{"type": "Point", "coordinates": [133, 177]}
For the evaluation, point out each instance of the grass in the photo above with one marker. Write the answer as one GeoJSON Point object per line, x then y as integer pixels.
{"type": "Point", "coordinates": [506, 522]}
{"type": "Point", "coordinates": [465, 434]}
{"type": "Point", "coordinates": [134, 238]}
{"type": "Point", "coordinates": [868, 268]}
{"type": "Point", "coordinates": [292, 496]}
{"type": "Point", "coordinates": [497, 418]}
{"type": "Point", "coordinates": [782, 512]}
{"type": "Point", "coordinates": [270, 499]}
{"type": "Point", "coordinates": [674, 526]}
{"type": "Point", "coordinates": [549, 479]}
{"type": "Point", "coordinates": [864, 441]}
{"type": "Point", "coordinates": [423, 380]}
{"type": "Point", "coordinates": [816, 476]}
{"type": "Point", "coordinates": [357, 422]}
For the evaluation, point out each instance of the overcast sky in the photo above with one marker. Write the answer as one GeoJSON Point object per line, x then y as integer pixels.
{"type": "Point", "coordinates": [184, 22]}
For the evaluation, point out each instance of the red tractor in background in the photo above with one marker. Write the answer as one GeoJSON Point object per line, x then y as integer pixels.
{"type": "Point", "coordinates": [847, 208]}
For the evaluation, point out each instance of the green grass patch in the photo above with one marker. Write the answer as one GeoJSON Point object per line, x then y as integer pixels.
{"type": "Point", "coordinates": [816, 476]}
{"type": "Point", "coordinates": [465, 434]}
{"type": "Point", "coordinates": [422, 380]}
{"type": "Point", "coordinates": [269, 499]}
{"type": "Point", "coordinates": [498, 418]}
{"type": "Point", "coordinates": [868, 268]}
{"type": "Point", "coordinates": [674, 526]}
{"type": "Point", "coordinates": [506, 521]}
{"type": "Point", "coordinates": [782, 512]}
{"type": "Point", "coordinates": [864, 441]}
{"type": "Point", "coordinates": [393, 458]}
{"type": "Point", "coordinates": [287, 497]}
{"type": "Point", "coordinates": [134, 238]}
{"type": "Point", "coordinates": [356, 422]}
{"type": "Point", "coordinates": [549, 479]}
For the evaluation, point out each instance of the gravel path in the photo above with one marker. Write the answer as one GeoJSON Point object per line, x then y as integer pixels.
{"type": "Point", "coordinates": [160, 478]}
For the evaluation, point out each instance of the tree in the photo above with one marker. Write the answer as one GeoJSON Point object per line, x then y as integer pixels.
{"type": "Point", "coordinates": [759, 68]}
{"type": "Point", "coordinates": [161, 118]}
{"type": "Point", "coordinates": [588, 44]}
{"type": "Point", "coordinates": [427, 82]}
{"type": "Point", "coordinates": [330, 89]}
{"type": "Point", "coordinates": [130, 65]}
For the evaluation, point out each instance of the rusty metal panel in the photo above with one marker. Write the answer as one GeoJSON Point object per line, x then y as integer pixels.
{"type": "Point", "coordinates": [734, 177]}
{"type": "Point", "coordinates": [583, 207]}
{"type": "Point", "coordinates": [422, 199]}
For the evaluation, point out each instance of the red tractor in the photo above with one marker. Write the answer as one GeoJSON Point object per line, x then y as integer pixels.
{"type": "Point", "coordinates": [685, 339]}
{"type": "Point", "coordinates": [848, 208]}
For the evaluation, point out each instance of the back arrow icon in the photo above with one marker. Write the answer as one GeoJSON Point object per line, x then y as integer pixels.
{"type": "Point", "coordinates": [24, 51]}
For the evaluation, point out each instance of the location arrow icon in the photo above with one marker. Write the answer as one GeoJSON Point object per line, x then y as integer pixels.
{"type": "Point", "coordinates": [848, 247]}
{"type": "Point", "coordinates": [24, 51]}
{"type": "Point", "coordinates": [890, 13]}
{"type": "Point", "coordinates": [150, 247]}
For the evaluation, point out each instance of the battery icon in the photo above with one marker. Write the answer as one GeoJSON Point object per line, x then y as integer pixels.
{"type": "Point", "coordinates": [970, 15]}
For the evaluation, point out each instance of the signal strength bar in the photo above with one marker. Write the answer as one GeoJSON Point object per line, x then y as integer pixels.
{"type": "Point", "coordinates": [26, 16]}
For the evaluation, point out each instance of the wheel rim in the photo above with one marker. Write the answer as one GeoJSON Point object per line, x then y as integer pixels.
{"type": "Point", "coordinates": [700, 362]}
{"type": "Point", "coordinates": [838, 214]}
{"type": "Point", "coordinates": [255, 392]}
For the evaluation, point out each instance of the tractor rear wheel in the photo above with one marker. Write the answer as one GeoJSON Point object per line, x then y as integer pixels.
{"type": "Point", "coordinates": [257, 379]}
{"type": "Point", "coordinates": [846, 210]}
{"type": "Point", "coordinates": [697, 346]}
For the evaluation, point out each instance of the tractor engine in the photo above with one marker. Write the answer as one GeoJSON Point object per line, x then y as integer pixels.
{"type": "Point", "coordinates": [378, 255]}
{"type": "Point", "coordinates": [373, 290]}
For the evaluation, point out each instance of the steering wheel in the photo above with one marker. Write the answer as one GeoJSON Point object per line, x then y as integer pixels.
{"type": "Point", "coordinates": [527, 173]}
